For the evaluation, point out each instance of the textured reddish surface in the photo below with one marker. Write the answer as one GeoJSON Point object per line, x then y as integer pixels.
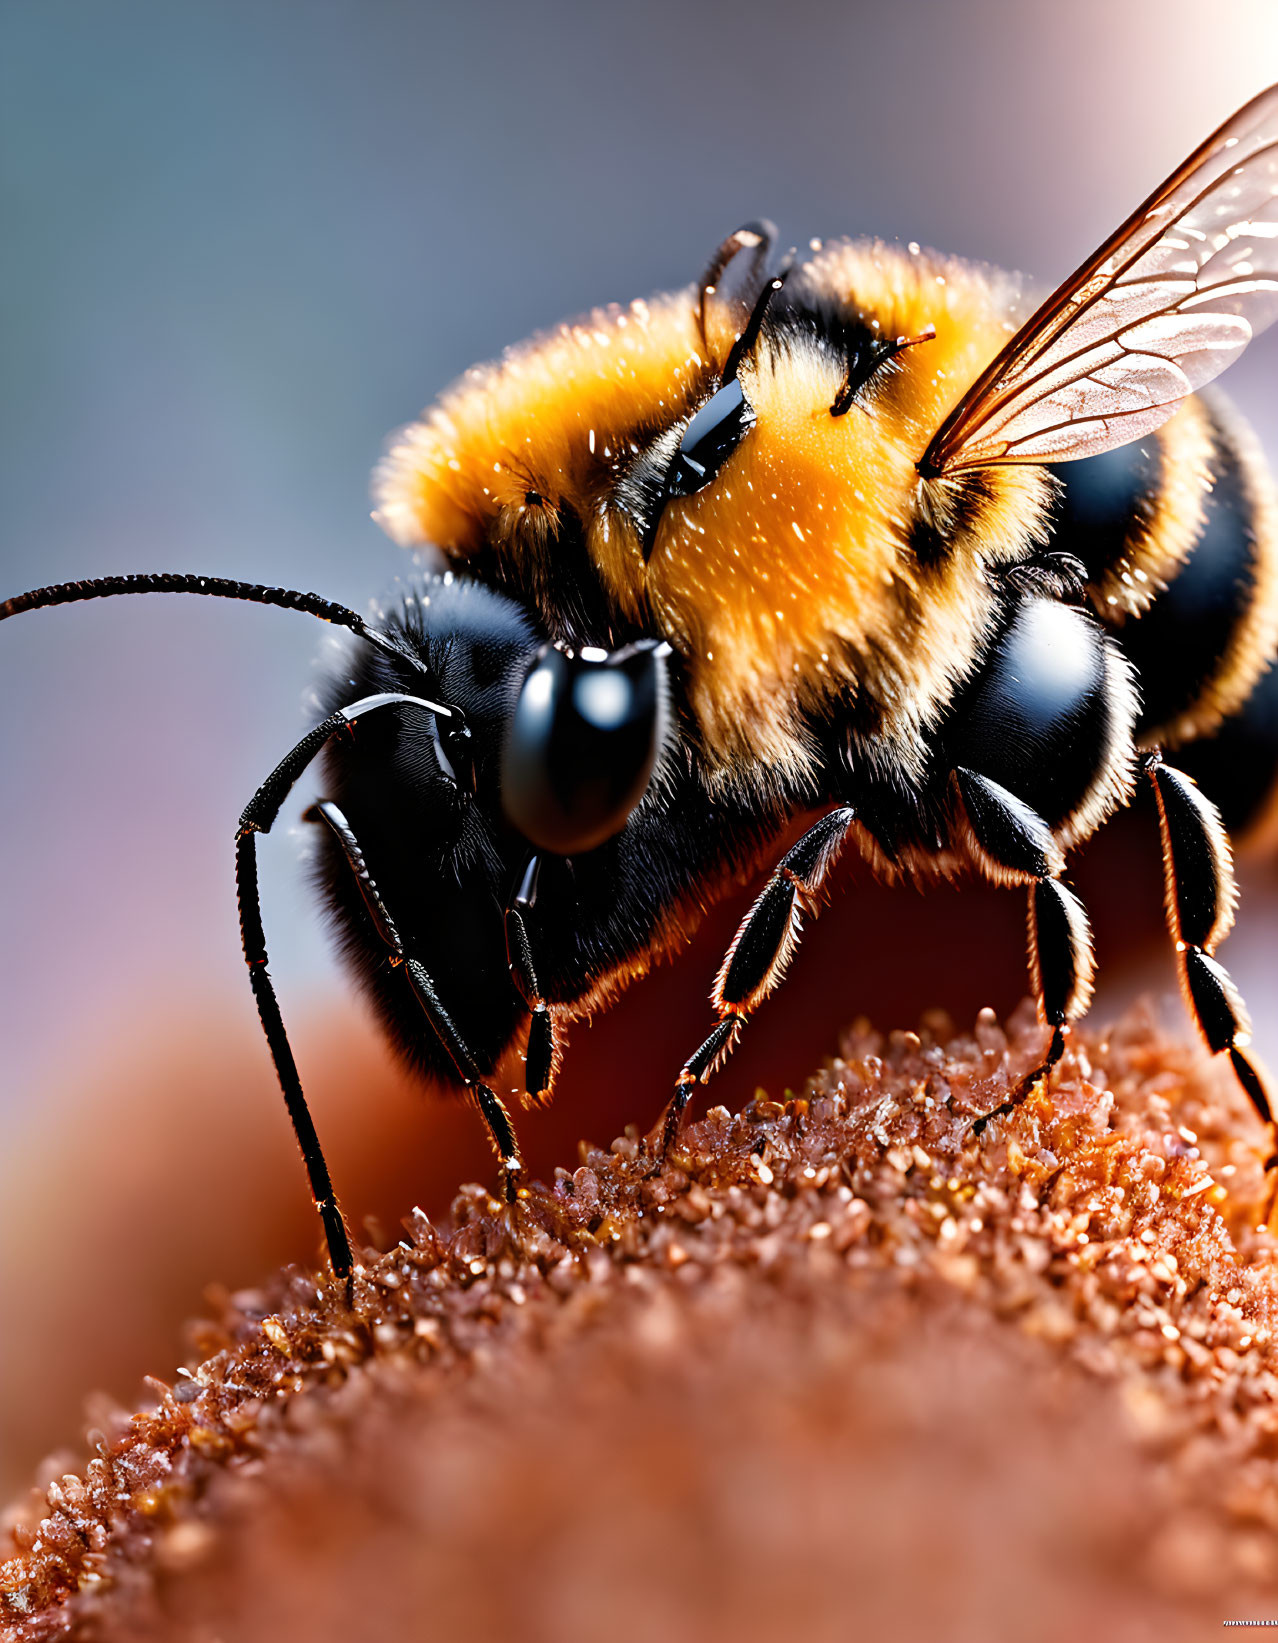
{"type": "Point", "coordinates": [839, 1370]}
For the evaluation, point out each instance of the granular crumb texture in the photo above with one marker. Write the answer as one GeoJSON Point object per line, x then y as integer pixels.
{"type": "Point", "coordinates": [840, 1370]}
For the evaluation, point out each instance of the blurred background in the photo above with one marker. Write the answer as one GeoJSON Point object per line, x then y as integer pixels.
{"type": "Point", "coordinates": [240, 244]}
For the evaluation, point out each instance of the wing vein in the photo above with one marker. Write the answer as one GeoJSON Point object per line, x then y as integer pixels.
{"type": "Point", "coordinates": [1096, 339]}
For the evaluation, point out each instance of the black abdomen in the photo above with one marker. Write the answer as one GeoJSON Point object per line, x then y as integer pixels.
{"type": "Point", "coordinates": [1177, 535]}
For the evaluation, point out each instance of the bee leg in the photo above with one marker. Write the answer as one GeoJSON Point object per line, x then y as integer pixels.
{"type": "Point", "coordinates": [1017, 845]}
{"type": "Point", "coordinates": [1060, 958]}
{"type": "Point", "coordinates": [760, 951]}
{"type": "Point", "coordinates": [1200, 897]}
{"type": "Point", "coordinates": [501, 1131]}
{"type": "Point", "coordinates": [542, 1052]}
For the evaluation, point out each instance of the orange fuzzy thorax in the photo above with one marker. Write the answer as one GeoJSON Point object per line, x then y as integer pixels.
{"type": "Point", "coordinates": [790, 581]}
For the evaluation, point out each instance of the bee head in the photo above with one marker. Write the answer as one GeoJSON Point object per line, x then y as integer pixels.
{"type": "Point", "coordinates": [537, 749]}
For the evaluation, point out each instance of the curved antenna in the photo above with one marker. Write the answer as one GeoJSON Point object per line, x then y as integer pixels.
{"type": "Point", "coordinates": [756, 237]}
{"type": "Point", "coordinates": [217, 587]}
{"type": "Point", "coordinates": [259, 817]}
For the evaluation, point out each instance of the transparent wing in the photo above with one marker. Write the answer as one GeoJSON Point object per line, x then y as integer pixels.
{"type": "Point", "coordinates": [1162, 308]}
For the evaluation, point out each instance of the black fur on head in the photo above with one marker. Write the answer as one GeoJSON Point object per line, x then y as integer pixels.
{"type": "Point", "coordinates": [422, 795]}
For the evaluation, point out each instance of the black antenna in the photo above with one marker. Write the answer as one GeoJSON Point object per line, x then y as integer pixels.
{"type": "Point", "coordinates": [755, 237]}
{"type": "Point", "coordinates": [259, 817]}
{"type": "Point", "coordinates": [746, 341]}
{"type": "Point", "coordinates": [217, 587]}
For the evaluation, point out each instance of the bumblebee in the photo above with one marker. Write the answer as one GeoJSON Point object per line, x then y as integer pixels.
{"type": "Point", "coordinates": [856, 543]}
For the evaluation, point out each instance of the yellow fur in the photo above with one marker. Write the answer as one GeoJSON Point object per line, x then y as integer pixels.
{"type": "Point", "coordinates": [790, 582]}
{"type": "Point", "coordinates": [793, 583]}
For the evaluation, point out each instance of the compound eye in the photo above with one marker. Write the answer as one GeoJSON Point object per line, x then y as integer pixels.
{"type": "Point", "coordinates": [709, 440]}
{"type": "Point", "coordinates": [582, 744]}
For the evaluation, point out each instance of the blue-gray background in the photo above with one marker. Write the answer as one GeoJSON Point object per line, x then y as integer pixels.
{"type": "Point", "coordinates": [239, 243]}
